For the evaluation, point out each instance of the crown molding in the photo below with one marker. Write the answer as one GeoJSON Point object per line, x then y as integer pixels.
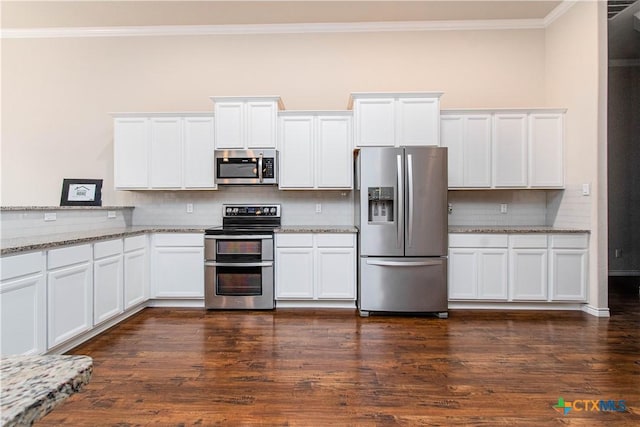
{"type": "Point", "coordinates": [253, 29]}
{"type": "Point", "coordinates": [558, 11]}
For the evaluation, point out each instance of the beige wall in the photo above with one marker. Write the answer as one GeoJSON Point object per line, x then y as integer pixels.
{"type": "Point", "coordinates": [575, 48]}
{"type": "Point", "coordinates": [57, 93]}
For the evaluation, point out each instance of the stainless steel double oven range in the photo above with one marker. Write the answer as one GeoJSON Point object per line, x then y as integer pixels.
{"type": "Point", "coordinates": [239, 261]}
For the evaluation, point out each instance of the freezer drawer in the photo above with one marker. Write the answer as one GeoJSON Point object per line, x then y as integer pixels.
{"type": "Point", "coordinates": [403, 285]}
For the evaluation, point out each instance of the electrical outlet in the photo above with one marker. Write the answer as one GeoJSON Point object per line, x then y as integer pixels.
{"type": "Point", "coordinates": [50, 216]}
{"type": "Point", "coordinates": [618, 253]}
{"type": "Point", "coordinates": [111, 214]}
{"type": "Point", "coordinates": [318, 207]}
{"type": "Point", "coordinates": [450, 208]}
{"type": "Point", "coordinates": [189, 207]}
{"type": "Point", "coordinates": [503, 208]}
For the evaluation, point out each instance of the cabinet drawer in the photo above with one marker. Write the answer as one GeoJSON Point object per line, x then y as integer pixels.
{"type": "Point", "coordinates": [569, 241]}
{"type": "Point", "coordinates": [179, 239]}
{"type": "Point", "coordinates": [108, 248]}
{"type": "Point", "coordinates": [135, 242]}
{"type": "Point", "coordinates": [297, 240]}
{"type": "Point", "coordinates": [21, 265]}
{"type": "Point", "coordinates": [68, 256]}
{"type": "Point", "coordinates": [335, 240]}
{"type": "Point", "coordinates": [478, 240]}
{"type": "Point", "coordinates": [528, 241]}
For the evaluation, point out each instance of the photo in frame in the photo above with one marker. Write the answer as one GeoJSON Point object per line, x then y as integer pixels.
{"type": "Point", "coordinates": [81, 192]}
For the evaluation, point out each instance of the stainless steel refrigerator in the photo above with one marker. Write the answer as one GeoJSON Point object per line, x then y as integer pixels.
{"type": "Point", "coordinates": [401, 212]}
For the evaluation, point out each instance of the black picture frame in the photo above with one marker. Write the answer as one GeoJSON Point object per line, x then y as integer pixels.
{"type": "Point", "coordinates": [81, 192]}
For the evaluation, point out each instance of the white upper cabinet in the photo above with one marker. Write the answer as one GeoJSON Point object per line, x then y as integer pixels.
{"type": "Point", "coordinates": [198, 163]}
{"type": "Point", "coordinates": [468, 139]}
{"type": "Point", "coordinates": [510, 150]}
{"type": "Point", "coordinates": [315, 150]}
{"type": "Point", "coordinates": [546, 150]}
{"type": "Point", "coordinates": [166, 152]}
{"type": "Point", "coordinates": [504, 148]}
{"type": "Point", "coordinates": [244, 123]}
{"type": "Point", "coordinates": [163, 151]}
{"type": "Point", "coordinates": [396, 119]}
{"type": "Point", "coordinates": [131, 152]}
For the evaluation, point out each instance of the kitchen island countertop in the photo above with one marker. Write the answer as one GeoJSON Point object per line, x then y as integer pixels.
{"type": "Point", "coordinates": [317, 229]}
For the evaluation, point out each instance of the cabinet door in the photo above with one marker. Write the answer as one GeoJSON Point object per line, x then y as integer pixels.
{"type": "Point", "coordinates": [528, 277]}
{"type": "Point", "coordinates": [23, 316]}
{"type": "Point", "coordinates": [69, 302]}
{"type": "Point", "coordinates": [107, 288]}
{"type": "Point", "coordinates": [294, 273]}
{"type": "Point", "coordinates": [261, 123]}
{"type": "Point", "coordinates": [296, 152]}
{"type": "Point", "coordinates": [335, 273]}
{"type": "Point", "coordinates": [568, 274]}
{"type": "Point", "coordinates": [166, 152]}
{"type": "Point", "coordinates": [131, 152]}
{"type": "Point", "coordinates": [477, 151]}
{"type": "Point", "coordinates": [492, 274]}
{"type": "Point", "coordinates": [463, 274]}
{"type": "Point", "coordinates": [418, 122]}
{"type": "Point", "coordinates": [375, 122]}
{"type": "Point", "coordinates": [136, 284]}
{"type": "Point", "coordinates": [510, 150]}
{"type": "Point", "coordinates": [229, 125]}
{"type": "Point", "coordinates": [199, 163]}
{"type": "Point", "coordinates": [334, 152]}
{"type": "Point", "coordinates": [452, 137]}
{"type": "Point", "coordinates": [546, 150]}
{"type": "Point", "coordinates": [178, 272]}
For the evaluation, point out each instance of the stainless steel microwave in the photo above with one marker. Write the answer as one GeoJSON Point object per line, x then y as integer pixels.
{"type": "Point", "coordinates": [246, 166]}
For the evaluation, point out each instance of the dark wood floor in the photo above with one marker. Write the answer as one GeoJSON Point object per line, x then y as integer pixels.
{"type": "Point", "coordinates": [315, 368]}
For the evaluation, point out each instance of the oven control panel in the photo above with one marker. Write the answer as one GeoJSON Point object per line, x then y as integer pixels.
{"type": "Point", "coordinates": [251, 210]}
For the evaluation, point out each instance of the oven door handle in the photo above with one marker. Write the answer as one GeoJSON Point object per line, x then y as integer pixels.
{"type": "Point", "coordinates": [238, 264]}
{"type": "Point", "coordinates": [239, 237]}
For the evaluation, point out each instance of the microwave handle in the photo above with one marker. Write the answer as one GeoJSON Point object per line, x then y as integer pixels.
{"type": "Point", "coordinates": [260, 168]}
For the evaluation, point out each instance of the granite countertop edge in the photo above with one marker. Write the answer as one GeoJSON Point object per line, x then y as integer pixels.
{"type": "Point", "coordinates": [51, 241]}
{"type": "Point", "coordinates": [53, 208]}
{"type": "Point", "coordinates": [33, 385]}
{"type": "Point", "coordinates": [17, 245]}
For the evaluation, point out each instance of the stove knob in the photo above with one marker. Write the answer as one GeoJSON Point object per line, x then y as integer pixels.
{"type": "Point", "coordinates": [235, 211]}
{"type": "Point", "coordinates": [229, 210]}
{"type": "Point", "coordinates": [273, 211]}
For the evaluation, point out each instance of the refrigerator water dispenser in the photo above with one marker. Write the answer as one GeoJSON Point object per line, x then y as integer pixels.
{"type": "Point", "coordinates": [380, 204]}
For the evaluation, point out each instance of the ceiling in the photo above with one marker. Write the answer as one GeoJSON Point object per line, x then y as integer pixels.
{"type": "Point", "coordinates": [49, 14]}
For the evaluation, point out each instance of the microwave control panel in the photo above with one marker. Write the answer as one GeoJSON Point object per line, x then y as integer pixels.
{"type": "Point", "coordinates": [267, 168]}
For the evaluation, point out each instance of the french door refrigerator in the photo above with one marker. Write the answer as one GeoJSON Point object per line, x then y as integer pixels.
{"type": "Point", "coordinates": [401, 213]}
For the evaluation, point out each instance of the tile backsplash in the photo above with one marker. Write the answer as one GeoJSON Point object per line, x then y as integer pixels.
{"type": "Point", "coordinates": [560, 208]}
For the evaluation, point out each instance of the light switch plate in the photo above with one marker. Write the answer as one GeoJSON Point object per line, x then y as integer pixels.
{"type": "Point", "coordinates": [111, 214]}
{"type": "Point", "coordinates": [586, 189]}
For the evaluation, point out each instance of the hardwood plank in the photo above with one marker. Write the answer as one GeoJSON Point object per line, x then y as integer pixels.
{"type": "Point", "coordinates": [323, 367]}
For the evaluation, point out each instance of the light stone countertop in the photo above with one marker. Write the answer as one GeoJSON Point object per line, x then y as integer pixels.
{"type": "Point", "coordinates": [317, 229]}
{"type": "Point", "coordinates": [50, 241]}
{"type": "Point", "coordinates": [33, 385]}
{"type": "Point", "coordinates": [513, 229]}
{"type": "Point", "coordinates": [56, 208]}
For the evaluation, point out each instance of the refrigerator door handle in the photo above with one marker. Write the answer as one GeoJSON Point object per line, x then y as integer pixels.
{"type": "Point", "coordinates": [403, 263]}
{"type": "Point", "coordinates": [410, 195]}
{"type": "Point", "coordinates": [400, 212]}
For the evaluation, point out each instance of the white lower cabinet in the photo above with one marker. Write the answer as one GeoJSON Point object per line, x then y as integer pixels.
{"type": "Point", "coordinates": [177, 265]}
{"type": "Point", "coordinates": [518, 267]}
{"type": "Point", "coordinates": [478, 267]}
{"type": "Point", "coordinates": [568, 260]}
{"type": "Point", "coordinates": [528, 267]}
{"type": "Point", "coordinates": [136, 276]}
{"type": "Point", "coordinates": [316, 267]}
{"type": "Point", "coordinates": [23, 320]}
{"type": "Point", "coordinates": [69, 293]}
{"type": "Point", "coordinates": [107, 280]}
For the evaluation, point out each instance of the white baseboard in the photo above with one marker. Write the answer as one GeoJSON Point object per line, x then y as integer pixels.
{"type": "Point", "coordinates": [176, 302]}
{"type": "Point", "coordinates": [624, 272]}
{"type": "Point", "coordinates": [315, 304]}
{"type": "Point", "coordinates": [598, 312]}
{"type": "Point", "coordinates": [483, 305]}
